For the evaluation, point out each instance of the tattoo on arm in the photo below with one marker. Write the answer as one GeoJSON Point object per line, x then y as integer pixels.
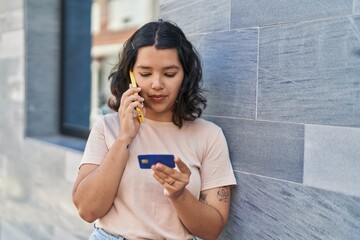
{"type": "Point", "coordinates": [223, 194]}
{"type": "Point", "coordinates": [203, 198]}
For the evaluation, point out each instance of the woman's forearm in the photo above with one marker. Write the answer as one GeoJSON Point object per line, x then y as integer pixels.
{"type": "Point", "coordinates": [200, 219]}
{"type": "Point", "coordinates": [95, 191]}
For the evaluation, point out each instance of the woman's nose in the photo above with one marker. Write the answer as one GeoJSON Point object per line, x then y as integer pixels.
{"type": "Point", "coordinates": [156, 82]}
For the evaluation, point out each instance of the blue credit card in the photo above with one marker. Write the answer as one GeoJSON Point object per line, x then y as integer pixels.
{"type": "Point", "coordinates": [147, 160]}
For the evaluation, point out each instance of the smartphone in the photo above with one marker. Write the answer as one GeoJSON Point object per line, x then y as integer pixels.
{"type": "Point", "coordinates": [138, 110]}
{"type": "Point", "coordinates": [147, 160]}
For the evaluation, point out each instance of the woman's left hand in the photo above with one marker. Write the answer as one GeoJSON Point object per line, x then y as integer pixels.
{"type": "Point", "coordinates": [173, 181]}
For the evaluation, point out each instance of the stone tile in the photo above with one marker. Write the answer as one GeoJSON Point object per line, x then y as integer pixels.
{"type": "Point", "coordinates": [309, 72]}
{"type": "Point", "coordinates": [72, 161]}
{"type": "Point", "coordinates": [37, 120]}
{"type": "Point", "coordinates": [8, 231]}
{"type": "Point", "coordinates": [68, 218]}
{"type": "Point", "coordinates": [251, 13]}
{"type": "Point", "coordinates": [37, 44]}
{"type": "Point", "coordinates": [171, 5]}
{"type": "Point", "coordinates": [61, 234]}
{"type": "Point", "coordinates": [264, 208]}
{"type": "Point", "coordinates": [37, 105]}
{"type": "Point", "coordinates": [356, 6]}
{"type": "Point", "coordinates": [46, 174]}
{"type": "Point", "coordinates": [214, 16]}
{"type": "Point", "coordinates": [264, 148]}
{"type": "Point", "coordinates": [10, 5]}
{"type": "Point", "coordinates": [12, 44]}
{"type": "Point", "coordinates": [38, 10]}
{"type": "Point", "coordinates": [11, 20]}
{"type": "Point", "coordinates": [39, 112]}
{"type": "Point", "coordinates": [18, 183]}
{"type": "Point", "coordinates": [229, 71]}
{"type": "Point", "coordinates": [331, 158]}
{"type": "Point", "coordinates": [12, 71]}
{"type": "Point", "coordinates": [3, 175]}
{"type": "Point", "coordinates": [12, 123]}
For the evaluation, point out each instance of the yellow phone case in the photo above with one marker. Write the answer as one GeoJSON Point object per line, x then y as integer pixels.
{"type": "Point", "coordinates": [138, 110]}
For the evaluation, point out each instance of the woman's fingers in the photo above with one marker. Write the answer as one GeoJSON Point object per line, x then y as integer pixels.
{"type": "Point", "coordinates": [168, 175]}
{"type": "Point", "coordinates": [174, 181]}
{"type": "Point", "coordinates": [163, 171]}
{"type": "Point", "coordinates": [130, 110]}
{"type": "Point", "coordinates": [182, 166]}
{"type": "Point", "coordinates": [129, 123]}
{"type": "Point", "coordinates": [165, 180]}
{"type": "Point", "coordinates": [126, 101]}
{"type": "Point", "coordinates": [129, 101]}
{"type": "Point", "coordinates": [130, 92]}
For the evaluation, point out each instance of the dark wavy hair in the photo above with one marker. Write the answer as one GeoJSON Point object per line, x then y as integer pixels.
{"type": "Point", "coordinates": [163, 35]}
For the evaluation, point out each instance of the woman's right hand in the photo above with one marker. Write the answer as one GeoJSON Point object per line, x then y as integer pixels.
{"type": "Point", "coordinates": [129, 121]}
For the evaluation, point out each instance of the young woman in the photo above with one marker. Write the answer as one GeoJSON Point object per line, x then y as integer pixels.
{"type": "Point", "coordinates": [127, 202]}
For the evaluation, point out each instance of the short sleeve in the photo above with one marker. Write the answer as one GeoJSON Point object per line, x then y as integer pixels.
{"type": "Point", "coordinates": [96, 147]}
{"type": "Point", "coordinates": [216, 169]}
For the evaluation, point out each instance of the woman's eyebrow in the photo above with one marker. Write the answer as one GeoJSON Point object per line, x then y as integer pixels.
{"type": "Point", "coordinates": [171, 67]}
{"type": "Point", "coordinates": [143, 67]}
{"type": "Point", "coordinates": [165, 68]}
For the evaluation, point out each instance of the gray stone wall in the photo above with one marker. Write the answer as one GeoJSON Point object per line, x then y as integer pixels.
{"type": "Point", "coordinates": [284, 84]}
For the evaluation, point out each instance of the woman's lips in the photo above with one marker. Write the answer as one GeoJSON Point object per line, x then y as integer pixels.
{"type": "Point", "coordinates": [157, 98]}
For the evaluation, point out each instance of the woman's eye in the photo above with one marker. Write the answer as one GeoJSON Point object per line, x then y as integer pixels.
{"type": "Point", "coordinates": [145, 74]}
{"type": "Point", "coordinates": [170, 74]}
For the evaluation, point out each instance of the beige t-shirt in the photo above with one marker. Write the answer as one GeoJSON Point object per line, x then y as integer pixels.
{"type": "Point", "coordinates": [140, 209]}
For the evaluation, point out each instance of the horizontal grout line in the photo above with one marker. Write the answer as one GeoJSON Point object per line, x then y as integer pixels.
{"type": "Point", "coordinates": [267, 177]}
{"type": "Point", "coordinates": [223, 31]}
{"type": "Point", "coordinates": [252, 119]}
{"type": "Point", "coordinates": [309, 20]}
{"type": "Point", "coordinates": [228, 117]}
{"type": "Point", "coordinates": [273, 121]}
{"type": "Point", "coordinates": [299, 184]}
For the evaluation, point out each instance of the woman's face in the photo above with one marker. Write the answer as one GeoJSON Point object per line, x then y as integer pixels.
{"type": "Point", "coordinates": [160, 74]}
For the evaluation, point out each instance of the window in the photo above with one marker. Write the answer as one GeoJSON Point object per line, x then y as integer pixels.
{"type": "Point", "coordinates": [75, 62]}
